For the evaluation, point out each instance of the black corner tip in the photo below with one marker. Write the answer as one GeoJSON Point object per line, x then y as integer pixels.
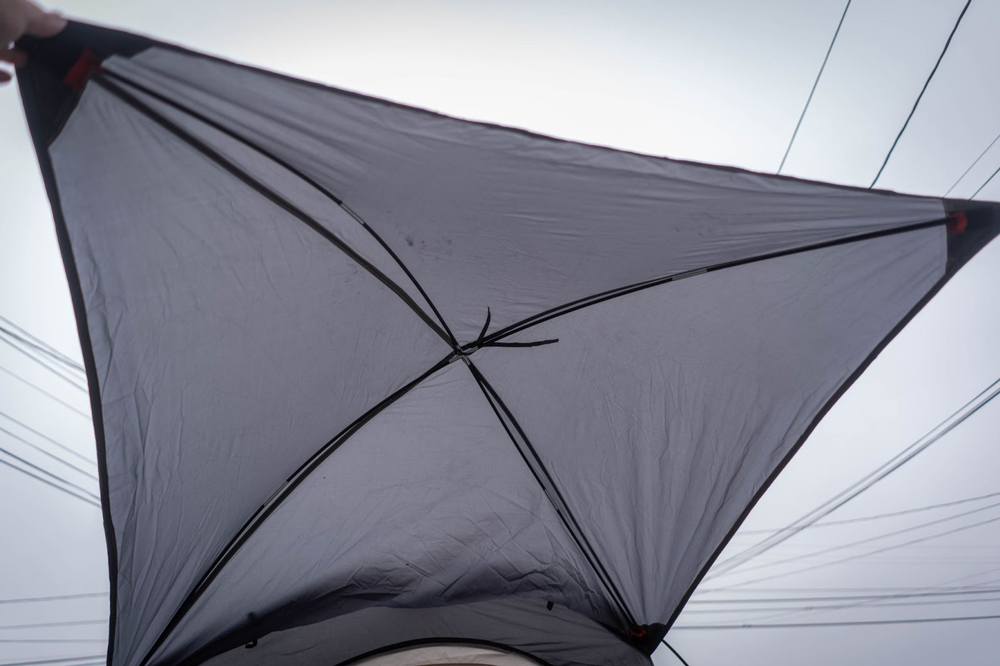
{"type": "Point", "coordinates": [58, 68]}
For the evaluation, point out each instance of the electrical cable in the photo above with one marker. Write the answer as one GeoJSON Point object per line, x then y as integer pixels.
{"type": "Point", "coordinates": [868, 554]}
{"type": "Point", "coordinates": [802, 116]}
{"type": "Point", "coordinates": [854, 623]}
{"type": "Point", "coordinates": [48, 367]}
{"type": "Point", "coordinates": [26, 338]}
{"type": "Point", "coordinates": [58, 597]}
{"type": "Point", "coordinates": [62, 446]}
{"type": "Point", "coordinates": [844, 546]}
{"type": "Point", "coordinates": [955, 419]}
{"type": "Point", "coordinates": [40, 625]}
{"type": "Point", "coordinates": [922, 91]}
{"type": "Point", "coordinates": [877, 516]}
{"type": "Point", "coordinates": [48, 483]}
{"type": "Point", "coordinates": [966, 172]}
{"type": "Point", "coordinates": [51, 455]}
{"type": "Point", "coordinates": [676, 653]}
{"type": "Point", "coordinates": [45, 393]}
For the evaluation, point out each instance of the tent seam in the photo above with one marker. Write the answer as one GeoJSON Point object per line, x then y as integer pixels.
{"type": "Point", "coordinates": [299, 174]}
{"type": "Point", "coordinates": [602, 297]}
{"type": "Point", "coordinates": [210, 153]}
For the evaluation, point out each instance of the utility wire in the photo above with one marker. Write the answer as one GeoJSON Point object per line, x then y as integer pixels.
{"type": "Point", "coordinates": [839, 598]}
{"type": "Point", "coordinates": [53, 640]}
{"type": "Point", "coordinates": [45, 393]}
{"type": "Point", "coordinates": [49, 474]}
{"type": "Point", "coordinates": [29, 340]}
{"type": "Point", "coordinates": [40, 625]}
{"type": "Point", "coordinates": [966, 172]}
{"type": "Point", "coordinates": [676, 653]}
{"type": "Point", "coordinates": [51, 455]}
{"type": "Point", "coordinates": [854, 544]}
{"type": "Point", "coordinates": [976, 193]}
{"type": "Point", "coordinates": [869, 554]}
{"type": "Point", "coordinates": [802, 116]}
{"type": "Point", "coordinates": [54, 371]}
{"type": "Point", "coordinates": [58, 597]}
{"type": "Point", "coordinates": [55, 660]}
{"type": "Point", "coordinates": [855, 623]}
{"type": "Point", "coordinates": [792, 590]}
{"type": "Point", "coordinates": [38, 341]}
{"type": "Point", "coordinates": [62, 446]}
{"type": "Point", "coordinates": [954, 420]}
{"type": "Point", "coordinates": [922, 91]}
{"type": "Point", "coordinates": [48, 483]}
{"type": "Point", "coordinates": [877, 516]}
{"type": "Point", "coordinates": [805, 609]}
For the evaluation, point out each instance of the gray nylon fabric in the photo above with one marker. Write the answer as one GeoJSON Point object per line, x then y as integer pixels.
{"type": "Point", "coordinates": [489, 217]}
{"type": "Point", "coordinates": [427, 504]}
{"type": "Point", "coordinates": [233, 342]}
{"type": "Point", "coordinates": [656, 411]}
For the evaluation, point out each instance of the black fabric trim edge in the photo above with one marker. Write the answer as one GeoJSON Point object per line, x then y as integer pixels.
{"type": "Point", "coordinates": [33, 116]}
{"type": "Point", "coordinates": [498, 126]}
{"type": "Point", "coordinates": [952, 265]}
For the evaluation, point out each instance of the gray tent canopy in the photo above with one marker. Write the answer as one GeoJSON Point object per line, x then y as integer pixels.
{"type": "Point", "coordinates": [365, 377]}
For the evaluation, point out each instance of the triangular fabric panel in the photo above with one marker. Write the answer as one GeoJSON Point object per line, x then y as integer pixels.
{"type": "Point", "coordinates": [427, 504]}
{"type": "Point", "coordinates": [660, 413]}
{"type": "Point", "coordinates": [231, 342]}
{"type": "Point", "coordinates": [367, 377]}
{"type": "Point", "coordinates": [488, 217]}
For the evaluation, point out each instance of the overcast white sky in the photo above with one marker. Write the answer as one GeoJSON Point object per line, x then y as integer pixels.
{"type": "Point", "coordinates": [711, 80]}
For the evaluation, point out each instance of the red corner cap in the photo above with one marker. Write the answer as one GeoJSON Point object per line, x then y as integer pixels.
{"type": "Point", "coordinates": [85, 65]}
{"type": "Point", "coordinates": [637, 632]}
{"type": "Point", "coordinates": [959, 222]}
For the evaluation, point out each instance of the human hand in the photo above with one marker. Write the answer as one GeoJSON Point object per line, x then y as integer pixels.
{"type": "Point", "coordinates": [19, 18]}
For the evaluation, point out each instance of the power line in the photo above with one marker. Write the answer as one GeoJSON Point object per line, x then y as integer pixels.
{"type": "Point", "coordinates": [976, 193]}
{"type": "Point", "coordinates": [51, 455]}
{"type": "Point", "coordinates": [795, 133]}
{"type": "Point", "coordinates": [853, 544]}
{"type": "Point", "coordinates": [676, 653]}
{"type": "Point", "coordinates": [837, 598]}
{"type": "Point", "coordinates": [53, 640]}
{"type": "Point", "coordinates": [48, 473]}
{"type": "Point", "coordinates": [62, 446]}
{"type": "Point", "coordinates": [922, 91]}
{"type": "Point", "coordinates": [58, 597]}
{"type": "Point", "coordinates": [966, 172]}
{"type": "Point", "coordinates": [55, 660]}
{"type": "Point", "coordinates": [876, 606]}
{"type": "Point", "coordinates": [878, 516]}
{"type": "Point", "coordinates": [45, 393]}
{"type": "Point", "coordinates": [40, 625]}
{"type": "Point", "coordinates": [47, 482]}
{"type": "Point", "coordinates": [869, 554]}
{"type": "Point", "coordinates": [955, 419]}
{"type": "Point", "coordinates": [26, 338]}
{"type": "Point", "coordinates": [38, 341]}
{"type": "Point", "coordinates": [39, 361]}
{"type": "Point", "coordinates": [855, 623]}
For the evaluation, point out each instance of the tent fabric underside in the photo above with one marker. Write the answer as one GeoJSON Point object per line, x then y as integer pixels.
{"type": "Point", "coordinates": [368, 377]}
